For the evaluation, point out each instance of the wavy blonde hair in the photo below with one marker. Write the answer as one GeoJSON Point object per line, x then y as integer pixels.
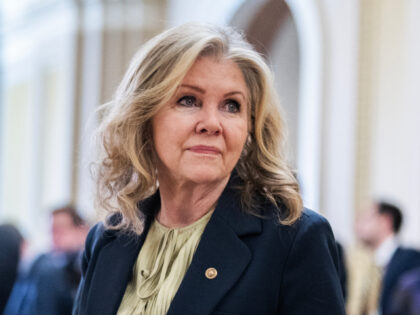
{"type": "Point", "coordinates": [126, 172]}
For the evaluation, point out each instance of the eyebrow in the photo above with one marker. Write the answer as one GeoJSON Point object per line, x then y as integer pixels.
{"type": "Point", "coordinates": [194, 88]}
{"type": "Point", "coordinates": [235, 92]}
{"type": "Point", "coordinates": [200, 90]}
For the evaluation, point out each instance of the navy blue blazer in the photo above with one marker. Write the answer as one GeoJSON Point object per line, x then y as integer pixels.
{"type": "Point", "coordinates": [403, 260]}
{"type": "Point", "coordinates": [263, 267]}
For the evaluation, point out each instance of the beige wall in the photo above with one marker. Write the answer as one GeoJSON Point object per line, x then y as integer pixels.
{"type": "Point", "coordinates": [355, 130]}
{"type": "Point", "coordinates": [393, 162]}
{"type": "Point", "coordinates": [358, 106]}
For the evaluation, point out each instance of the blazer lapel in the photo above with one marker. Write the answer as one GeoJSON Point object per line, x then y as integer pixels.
{"type": "Point", "coordinates": [114, 265]}
{"type": "Point", "coordinates": [112, 273]}
{"type": "Point", "coordinates": [221, 248]}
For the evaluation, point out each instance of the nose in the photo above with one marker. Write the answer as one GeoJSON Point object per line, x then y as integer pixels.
{"type": "Point", "coordinates": [209, 121]}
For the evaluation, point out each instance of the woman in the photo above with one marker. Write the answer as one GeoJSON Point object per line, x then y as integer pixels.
{"type": "Point", "coordinates": [205, 216]}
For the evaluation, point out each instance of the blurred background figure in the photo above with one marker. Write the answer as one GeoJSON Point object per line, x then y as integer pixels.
{"type": "Point", "coordinates": [10, 244]}
{"type": "Point", "coordinates": [376, 268]}
{"type": "Point", "coordinates": [68, 230]}
{"type": "Point", "coordinates": [47, 283]}
{"type": "Point", "coordinates": [406, 298]}
{"type": "Point", "coordinates": [69, 233]}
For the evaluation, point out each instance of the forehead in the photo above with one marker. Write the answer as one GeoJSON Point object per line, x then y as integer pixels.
{"type": "Point", "coordinates": [225, 73]}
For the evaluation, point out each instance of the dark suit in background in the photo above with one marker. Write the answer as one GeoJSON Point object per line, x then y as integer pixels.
{"type": "Point", "coordinates": [403, 260]}
{"type": "Point", "coordinates": [41, 289]}
{"type": "Point", "coordinates": [10, 243]}
{"type": "Point", "coordinates": [406, 297]}
{"type": "Point", "coordinates": [263, 267]}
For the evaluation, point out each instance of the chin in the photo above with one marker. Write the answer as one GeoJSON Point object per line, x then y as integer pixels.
{"type": "Point", "coordinates": [206, 177]}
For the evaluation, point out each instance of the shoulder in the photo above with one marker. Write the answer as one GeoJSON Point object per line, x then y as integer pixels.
{"type": "Point", "coordinates": [313, 230]}
{"type": "Point", "coordinates": [100, 233]}
{"type": "Point", "coordinates": [310, 236]}
{"type": "Point", "coordinates": [314, 225]}
{"type": "Point", "coordinates": [310, 269]}
{"type": "Point", "coordinates": [404, 256]}
{"type": "Point", "coordinates": [310, 224]}
{"type": "Point", "coordinates": [311, 220]}
{"type": "Point", "coordinates": [408, 252]}
{"type": "Point", "coordinates": [97, 237]}
{"type": "Point", "coordinates": [96, 233]}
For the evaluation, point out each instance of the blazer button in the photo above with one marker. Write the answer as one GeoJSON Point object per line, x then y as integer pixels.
{"type": "Point", "coordinates": [211, 273]}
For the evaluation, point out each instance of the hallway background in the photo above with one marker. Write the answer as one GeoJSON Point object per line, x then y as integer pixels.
{"type": "Point", "coordinates": [347, 73]}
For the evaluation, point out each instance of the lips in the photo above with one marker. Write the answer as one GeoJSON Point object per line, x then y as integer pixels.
{"type": "Point", "coordinates": [203, 149]}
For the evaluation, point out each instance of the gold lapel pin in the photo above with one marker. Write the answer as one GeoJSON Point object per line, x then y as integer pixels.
{"type": "Point", "coordinates": [211, 273]}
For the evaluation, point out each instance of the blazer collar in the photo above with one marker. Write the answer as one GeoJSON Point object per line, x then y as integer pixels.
{"type": "Point", "coordinates": [229, 209]}
{"type": "Point", "coordinates": [220, 247]}
{"type": "Point", "coordinates": [114, 266]}
{"type": "Point", "coordinates": [112, 272]}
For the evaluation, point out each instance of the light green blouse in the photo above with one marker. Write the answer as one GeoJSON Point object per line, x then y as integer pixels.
{"type": "Point", "coordinates": [161, 265]}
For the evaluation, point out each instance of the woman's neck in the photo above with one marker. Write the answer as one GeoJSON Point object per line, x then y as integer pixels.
{"type": "Point", "coordinates": [184, 203]}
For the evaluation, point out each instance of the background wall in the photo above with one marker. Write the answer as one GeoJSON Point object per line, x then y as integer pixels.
{"type": "Point", "coordinates": [392, 147]}
{"type": "Point", "coordinates": [346, 72]}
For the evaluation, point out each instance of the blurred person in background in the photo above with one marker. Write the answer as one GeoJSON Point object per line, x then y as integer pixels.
{"type": "Point", "coordinates": [10, 249]}
{"type": "Point", "coordinates": [47, 282]}
{"type": "Point", "coordinates": [68, 231]}
{"type": "Point", "coordinates": [406, 297]}
{"type": "Point", "coordinates": [204, 214]}
{"type": "Point", "coordinates": [375, 274]}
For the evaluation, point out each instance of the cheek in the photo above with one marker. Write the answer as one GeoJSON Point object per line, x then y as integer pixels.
{"type": "Point", "coordinates": [168, 135]}
{"type": "Point", "coordinates": [243, 141]}
{"type": "Point", "coordinates": [160, 132]}
{"type": "Point", "coordinates": [238, 139]}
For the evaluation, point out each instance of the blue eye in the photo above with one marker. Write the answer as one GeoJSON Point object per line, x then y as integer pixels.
{"type": "Point", "coordinates": [187, 101]}
{"type": "Point", "coordinates": [232, 106]}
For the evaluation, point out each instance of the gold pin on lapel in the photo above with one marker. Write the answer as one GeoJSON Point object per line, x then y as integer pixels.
{"type": "Point", "coordinates": [211, 273]}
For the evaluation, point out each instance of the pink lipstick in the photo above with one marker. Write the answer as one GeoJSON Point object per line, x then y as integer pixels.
{"type": "Point", "coordinates": [203, 149]}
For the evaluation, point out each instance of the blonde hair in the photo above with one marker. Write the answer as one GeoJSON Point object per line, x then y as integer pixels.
{"type": "Point", "coordinates": [126, 172]}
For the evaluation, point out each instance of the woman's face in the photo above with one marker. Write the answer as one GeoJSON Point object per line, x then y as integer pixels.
{"type": "Point", "coordinates": [199, 135]}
